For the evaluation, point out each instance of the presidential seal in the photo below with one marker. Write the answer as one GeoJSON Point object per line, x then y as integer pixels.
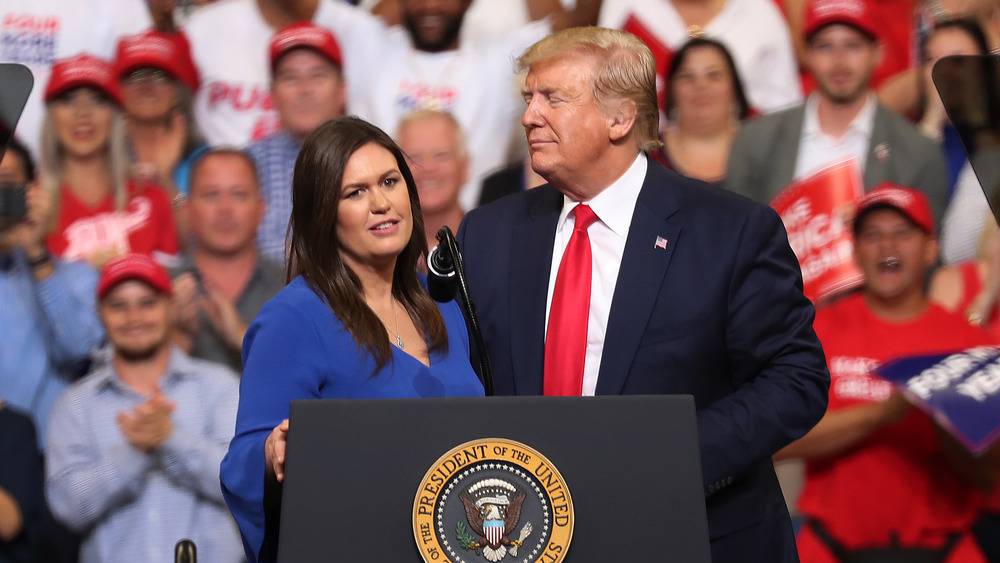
{"type": "Point", "coordinates": [493, 500]}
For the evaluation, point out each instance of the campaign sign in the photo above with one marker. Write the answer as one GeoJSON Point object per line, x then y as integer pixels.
{"type": "Point", "coordinates": [815, 211]}
{"type": "Point", "coordinates": [961, 391]}
{"type": "Point", "coordinates": [662, 54]}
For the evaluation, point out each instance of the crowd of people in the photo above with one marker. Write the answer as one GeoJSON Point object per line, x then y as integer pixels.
{"type": "Point", "coordinates": [157, 154]}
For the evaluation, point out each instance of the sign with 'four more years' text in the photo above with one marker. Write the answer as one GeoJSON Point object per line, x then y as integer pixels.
{"type": "Point", "coordinates": [960, 390]}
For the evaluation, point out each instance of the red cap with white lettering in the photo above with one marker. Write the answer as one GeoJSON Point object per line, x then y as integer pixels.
{"type": "Point", "coordinates": [305, 35]}
{"type": "Point", "coordinates": [169, 52]}
{"type": "Point", "coordinates": [134, 267]}
{"type": "Point", "coordinates": [83, 70]}
{"type": "Point", "coordinates": [855, 13]}
{"type": "Point", "coordinates": [908, 201]}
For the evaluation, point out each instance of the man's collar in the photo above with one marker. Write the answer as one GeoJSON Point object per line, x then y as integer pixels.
{"type": "Point", "coordinates": [863, 122]}
{"type": "Point", "coordinates": [614, 205]}
{"type": "Point", "coordinates": [178, 366]}
{"type": "Point", "coordinates": [287, 139]}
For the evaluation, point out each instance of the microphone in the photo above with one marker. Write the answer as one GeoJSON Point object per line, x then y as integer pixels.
{"type": "Point", "coordinates": [446, 276]}
{"type": "Point", "coordinates": [442, 280]}
{"type": "Point", "coordinates": [185, 552]}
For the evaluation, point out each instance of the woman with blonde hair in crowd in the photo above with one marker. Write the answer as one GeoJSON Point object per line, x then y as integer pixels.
{"type": "Point", "coordinates": [102, 211]}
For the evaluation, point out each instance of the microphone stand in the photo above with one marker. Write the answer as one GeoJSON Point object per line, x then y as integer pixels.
{"type": "Point", "coordinates": [185, 552]}
{"type": "Point", "coordinates": [447, 240]}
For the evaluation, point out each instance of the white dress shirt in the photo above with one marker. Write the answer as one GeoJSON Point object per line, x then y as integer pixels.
{"type": "Point", "coordinates": [613, 207]}
{"type": "Point", "coordinates": [818, 150]}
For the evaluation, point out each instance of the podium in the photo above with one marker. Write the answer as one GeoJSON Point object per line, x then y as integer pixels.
{"type": "Point", "coordinates": [361, 473]}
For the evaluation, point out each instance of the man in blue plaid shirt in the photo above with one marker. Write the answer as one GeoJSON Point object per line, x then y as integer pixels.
{"type": "Point", "coordinates": [308, 89]}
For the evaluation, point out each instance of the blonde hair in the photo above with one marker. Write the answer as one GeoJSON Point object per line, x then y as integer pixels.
{"type": "Point", "coordinates": [422, 114]}
{"type": "Point", "coordinates": [625, 69]}
{"type": "Point", "coordinates": [52, 156]}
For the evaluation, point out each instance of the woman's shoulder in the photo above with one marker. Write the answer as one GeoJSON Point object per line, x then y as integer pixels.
{"type": "Point", "coordinates": [294, 318]}
{"type": "Point", "coordinates": [297, 295]}
{"type": "Point", "coordinates": [296, 302]}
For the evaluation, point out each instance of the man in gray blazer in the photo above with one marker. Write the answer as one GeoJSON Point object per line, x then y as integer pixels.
{"type": "Point", "coordinates": [842, 119]}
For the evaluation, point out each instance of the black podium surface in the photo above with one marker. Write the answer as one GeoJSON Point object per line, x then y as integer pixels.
{"type": "Point", "coordinates": [631, 465]}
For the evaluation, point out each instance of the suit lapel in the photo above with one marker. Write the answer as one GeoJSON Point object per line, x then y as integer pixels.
{"type": "Point", "coordinates": [531, 245]}
{"type": "Point", "coordinates": [875, 169]}
{"type": "Point", "coordinates": [643, 267]}
{"type": "Point", "coordinates": [786, 150]}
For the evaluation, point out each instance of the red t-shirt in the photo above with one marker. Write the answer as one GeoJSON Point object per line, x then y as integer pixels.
{"type": "Point", "coordinates": [896, 480]}
{"type": "Point", "coordinates": [972, 285]}
{"type": "Point", "coordinates": [146, 226]}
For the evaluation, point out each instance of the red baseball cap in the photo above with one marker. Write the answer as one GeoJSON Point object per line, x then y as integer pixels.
{"type": "Point", "coordinates": [134, 267]}
{"type": "Point", "coordinates": [169, 52]}
{"type": "Point", "coordinates": [305, 35]}
{"type": "Point", "coordinates": [83, 70]}
{"type": "Point", "coordinates": [855, 13]}
{"type": "Point", "coordinates": [908, 201]}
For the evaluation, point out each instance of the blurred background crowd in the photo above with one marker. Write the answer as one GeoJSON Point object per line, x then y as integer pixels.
{"type": "Point", "coordinates": [169, 129]}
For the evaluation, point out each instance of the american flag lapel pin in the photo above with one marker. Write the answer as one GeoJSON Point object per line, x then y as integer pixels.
{"type": "Point", "coordinates": [882, 152]}
{"type": "Point", "coordinates": [660, 243]}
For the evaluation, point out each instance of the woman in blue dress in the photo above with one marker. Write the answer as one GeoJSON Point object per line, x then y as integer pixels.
{"type": "Point", "coordinates": [355, 321]}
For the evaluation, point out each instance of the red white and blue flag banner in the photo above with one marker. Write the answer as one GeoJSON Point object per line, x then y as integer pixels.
{"type": "Point", "coordinates": [961, 391]}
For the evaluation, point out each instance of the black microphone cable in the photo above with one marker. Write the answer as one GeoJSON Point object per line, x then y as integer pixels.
{"type": "Point", "coordinates": [446, 274]}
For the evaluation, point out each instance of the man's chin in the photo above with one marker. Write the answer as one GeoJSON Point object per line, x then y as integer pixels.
{"type": "Point", "coordinates": [137, 354]}
{"type": "Point", "coordinates": [845, 96]}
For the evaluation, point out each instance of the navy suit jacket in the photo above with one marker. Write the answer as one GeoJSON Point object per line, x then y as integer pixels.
{"type": "Point", "coordinates": [718, 314]}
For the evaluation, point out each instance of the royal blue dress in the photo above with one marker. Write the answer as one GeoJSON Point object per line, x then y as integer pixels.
{"type": "Point", "coordinates": [297, 348]}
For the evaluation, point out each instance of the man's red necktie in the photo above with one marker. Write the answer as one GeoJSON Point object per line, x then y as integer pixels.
{"type": "Point", "coordinates": [566, 338]}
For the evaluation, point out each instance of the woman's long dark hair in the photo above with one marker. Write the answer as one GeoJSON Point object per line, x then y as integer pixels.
{"type": "Point", "coordinates": [315, 248]}
{"type": "Point", "coordinates": [742, 105]}
{"type": "Point", "coordinates": [973, 31]}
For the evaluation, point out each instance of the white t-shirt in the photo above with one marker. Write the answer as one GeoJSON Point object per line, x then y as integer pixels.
{"type": "Point", "coordinates": [37, 32]}
{"type": "Point", "coordinates": [229, 43]}
{"type": "Point", "coordinates": [817, 150]}
{"type": "Point", "coordinates": [754, 31]}
{"type": "Point", "coordinates": [475, 83]}
{"type": "Point", "coordinates": [489, 19]}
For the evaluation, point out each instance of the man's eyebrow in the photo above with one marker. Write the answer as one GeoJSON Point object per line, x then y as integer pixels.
{"type": "Point", "coordinates": [546, 90]}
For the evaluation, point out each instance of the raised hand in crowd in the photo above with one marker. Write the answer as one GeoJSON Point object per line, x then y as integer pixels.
{"type": "Point", "coordinates": [148, 425]}
{"type": "Point", "coordinates": [166, 152]}
{"type": "Point", "coordinates": [29, 234]}
{"type": "Point", "coordinates": [981, 311]}
{"type": "Point", "coordinates": [186, 309]}
{"type": "Point", "coordinates": [192, 299]}
{"type": "Point", "coordinates": [223, 315]}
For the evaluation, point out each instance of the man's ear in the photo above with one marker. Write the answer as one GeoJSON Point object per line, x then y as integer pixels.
{"type": "Point", "coordinates": [622, 120]}
{"type": "Point", "coordinates": [932, 251]}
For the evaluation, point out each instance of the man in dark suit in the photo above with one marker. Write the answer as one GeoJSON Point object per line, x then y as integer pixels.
{"type": "Point", "coordinates": [691, 289]}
